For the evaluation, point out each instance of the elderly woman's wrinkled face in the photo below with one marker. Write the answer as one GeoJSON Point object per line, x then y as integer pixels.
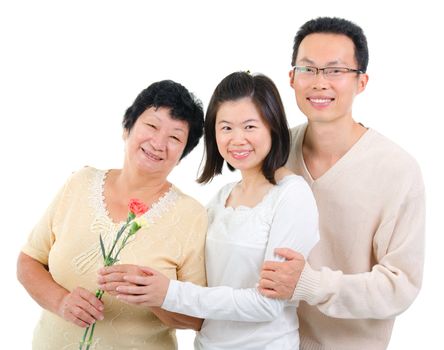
{"type": "Point", "coordinates": [156, 141]}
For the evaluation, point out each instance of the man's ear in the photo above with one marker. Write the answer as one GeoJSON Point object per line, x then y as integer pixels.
{"type": "Point", "coordinates": [362, 83]}
{"type": "Point", "coordinates": [291, 75]}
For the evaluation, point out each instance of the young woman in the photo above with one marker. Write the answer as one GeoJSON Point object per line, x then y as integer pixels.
{"type": "Point", "coordinates": [270, 207]}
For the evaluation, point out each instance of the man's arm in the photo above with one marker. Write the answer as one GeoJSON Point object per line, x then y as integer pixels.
{"type": "Point", "coordinates": [385, 291]}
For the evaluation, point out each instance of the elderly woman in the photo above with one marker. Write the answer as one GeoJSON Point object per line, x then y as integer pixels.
{"type": "Point", "coordinates": [59, 263]}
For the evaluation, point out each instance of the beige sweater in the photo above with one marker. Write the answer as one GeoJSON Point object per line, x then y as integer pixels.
{"type": "Point", "coordinates": [67, 240]}
{"type": "Point", "coordinates": [367, 267]}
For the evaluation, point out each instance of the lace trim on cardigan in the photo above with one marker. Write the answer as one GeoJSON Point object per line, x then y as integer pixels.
{"type": "Point", "coordinates": [103, 225]}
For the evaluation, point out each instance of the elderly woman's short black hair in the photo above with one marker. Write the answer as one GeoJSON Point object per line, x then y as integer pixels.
{"type": "Point", "coordinates": [182, 104]}
{"type": "Point", "coordinates": [265, 96]}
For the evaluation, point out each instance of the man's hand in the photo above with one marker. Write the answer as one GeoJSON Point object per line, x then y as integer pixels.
{"type": "Point", "coordinates": [279, 279]}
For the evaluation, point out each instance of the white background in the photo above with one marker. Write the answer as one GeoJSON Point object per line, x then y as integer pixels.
{"type": "Point", "coordinates": [68, 71]}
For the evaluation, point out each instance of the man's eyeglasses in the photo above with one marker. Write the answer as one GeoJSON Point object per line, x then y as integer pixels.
{"type": "Point", "coordinates": [328, 72]}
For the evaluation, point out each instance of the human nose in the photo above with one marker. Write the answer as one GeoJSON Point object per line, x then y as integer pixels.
{"type": "Point", "coordinates": [159, 141]}
{"type": "Point", "coordinates": [238, 136]}
{"type": "Point", "coordinates": [319, 80]}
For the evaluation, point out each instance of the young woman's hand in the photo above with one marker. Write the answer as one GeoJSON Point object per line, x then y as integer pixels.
{"type": "Point", "coordinates": [111, 277]}
{"type": "Point", "coordinates": [135, 284]}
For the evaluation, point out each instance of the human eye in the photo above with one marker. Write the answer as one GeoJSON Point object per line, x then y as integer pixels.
{"type": "Point", "coordinates": [176, 138]}
{"type": "Point", "coordinates": [311, 70]}
{"type": "Point", "coordinates": [305, 70]}
{"type": "Point", "coordinates": [335, 71]}
{"type": "Point", "coordinates": [225, 128]}
{"type": "Point", "coordinates": [250, 127]}
{"type": "Point", "coordinates": [151, 125]}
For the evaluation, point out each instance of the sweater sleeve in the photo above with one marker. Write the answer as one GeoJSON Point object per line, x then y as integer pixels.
{"type": "Point", "coordinates": [393, 282]}
{"type": "Point", "coordinates": [294, 224]}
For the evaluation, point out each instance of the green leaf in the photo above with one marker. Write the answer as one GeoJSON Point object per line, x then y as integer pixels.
{"type": "Point", "coordinates": [102, 247]}
{"type": "Point", "coordinates": [121, 231]}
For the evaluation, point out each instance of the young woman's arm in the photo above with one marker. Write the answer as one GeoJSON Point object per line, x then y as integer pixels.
{"type": "Point", "coordinates": [295, 224]}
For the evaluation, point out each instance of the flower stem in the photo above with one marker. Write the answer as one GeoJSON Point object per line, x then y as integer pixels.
{"type": "Point", "coordinates": [134, 206]}
{"type": "Point", "coordinates": [99, 294]}
{"type": "Point", "coordinates": [122, 245]}
{"type": "Point", "coordinates": [122, 229]}
{"type": "Point", "coordinates": [83, 338]}
{"type": "Point", "coordinates": [88, 344]}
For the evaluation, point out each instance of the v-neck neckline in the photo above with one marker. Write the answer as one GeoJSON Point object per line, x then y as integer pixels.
{"type": "Point", "coordinates": [337, 167]}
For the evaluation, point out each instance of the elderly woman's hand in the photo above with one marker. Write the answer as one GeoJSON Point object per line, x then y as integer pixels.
{"type": "Point", "coordinates": [81, 307]}
{"type": "Point", "coordinates": [279, 279]}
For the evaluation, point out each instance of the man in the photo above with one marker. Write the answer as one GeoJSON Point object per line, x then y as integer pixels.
{"type": "Point", "coordinates": [367, 267]}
